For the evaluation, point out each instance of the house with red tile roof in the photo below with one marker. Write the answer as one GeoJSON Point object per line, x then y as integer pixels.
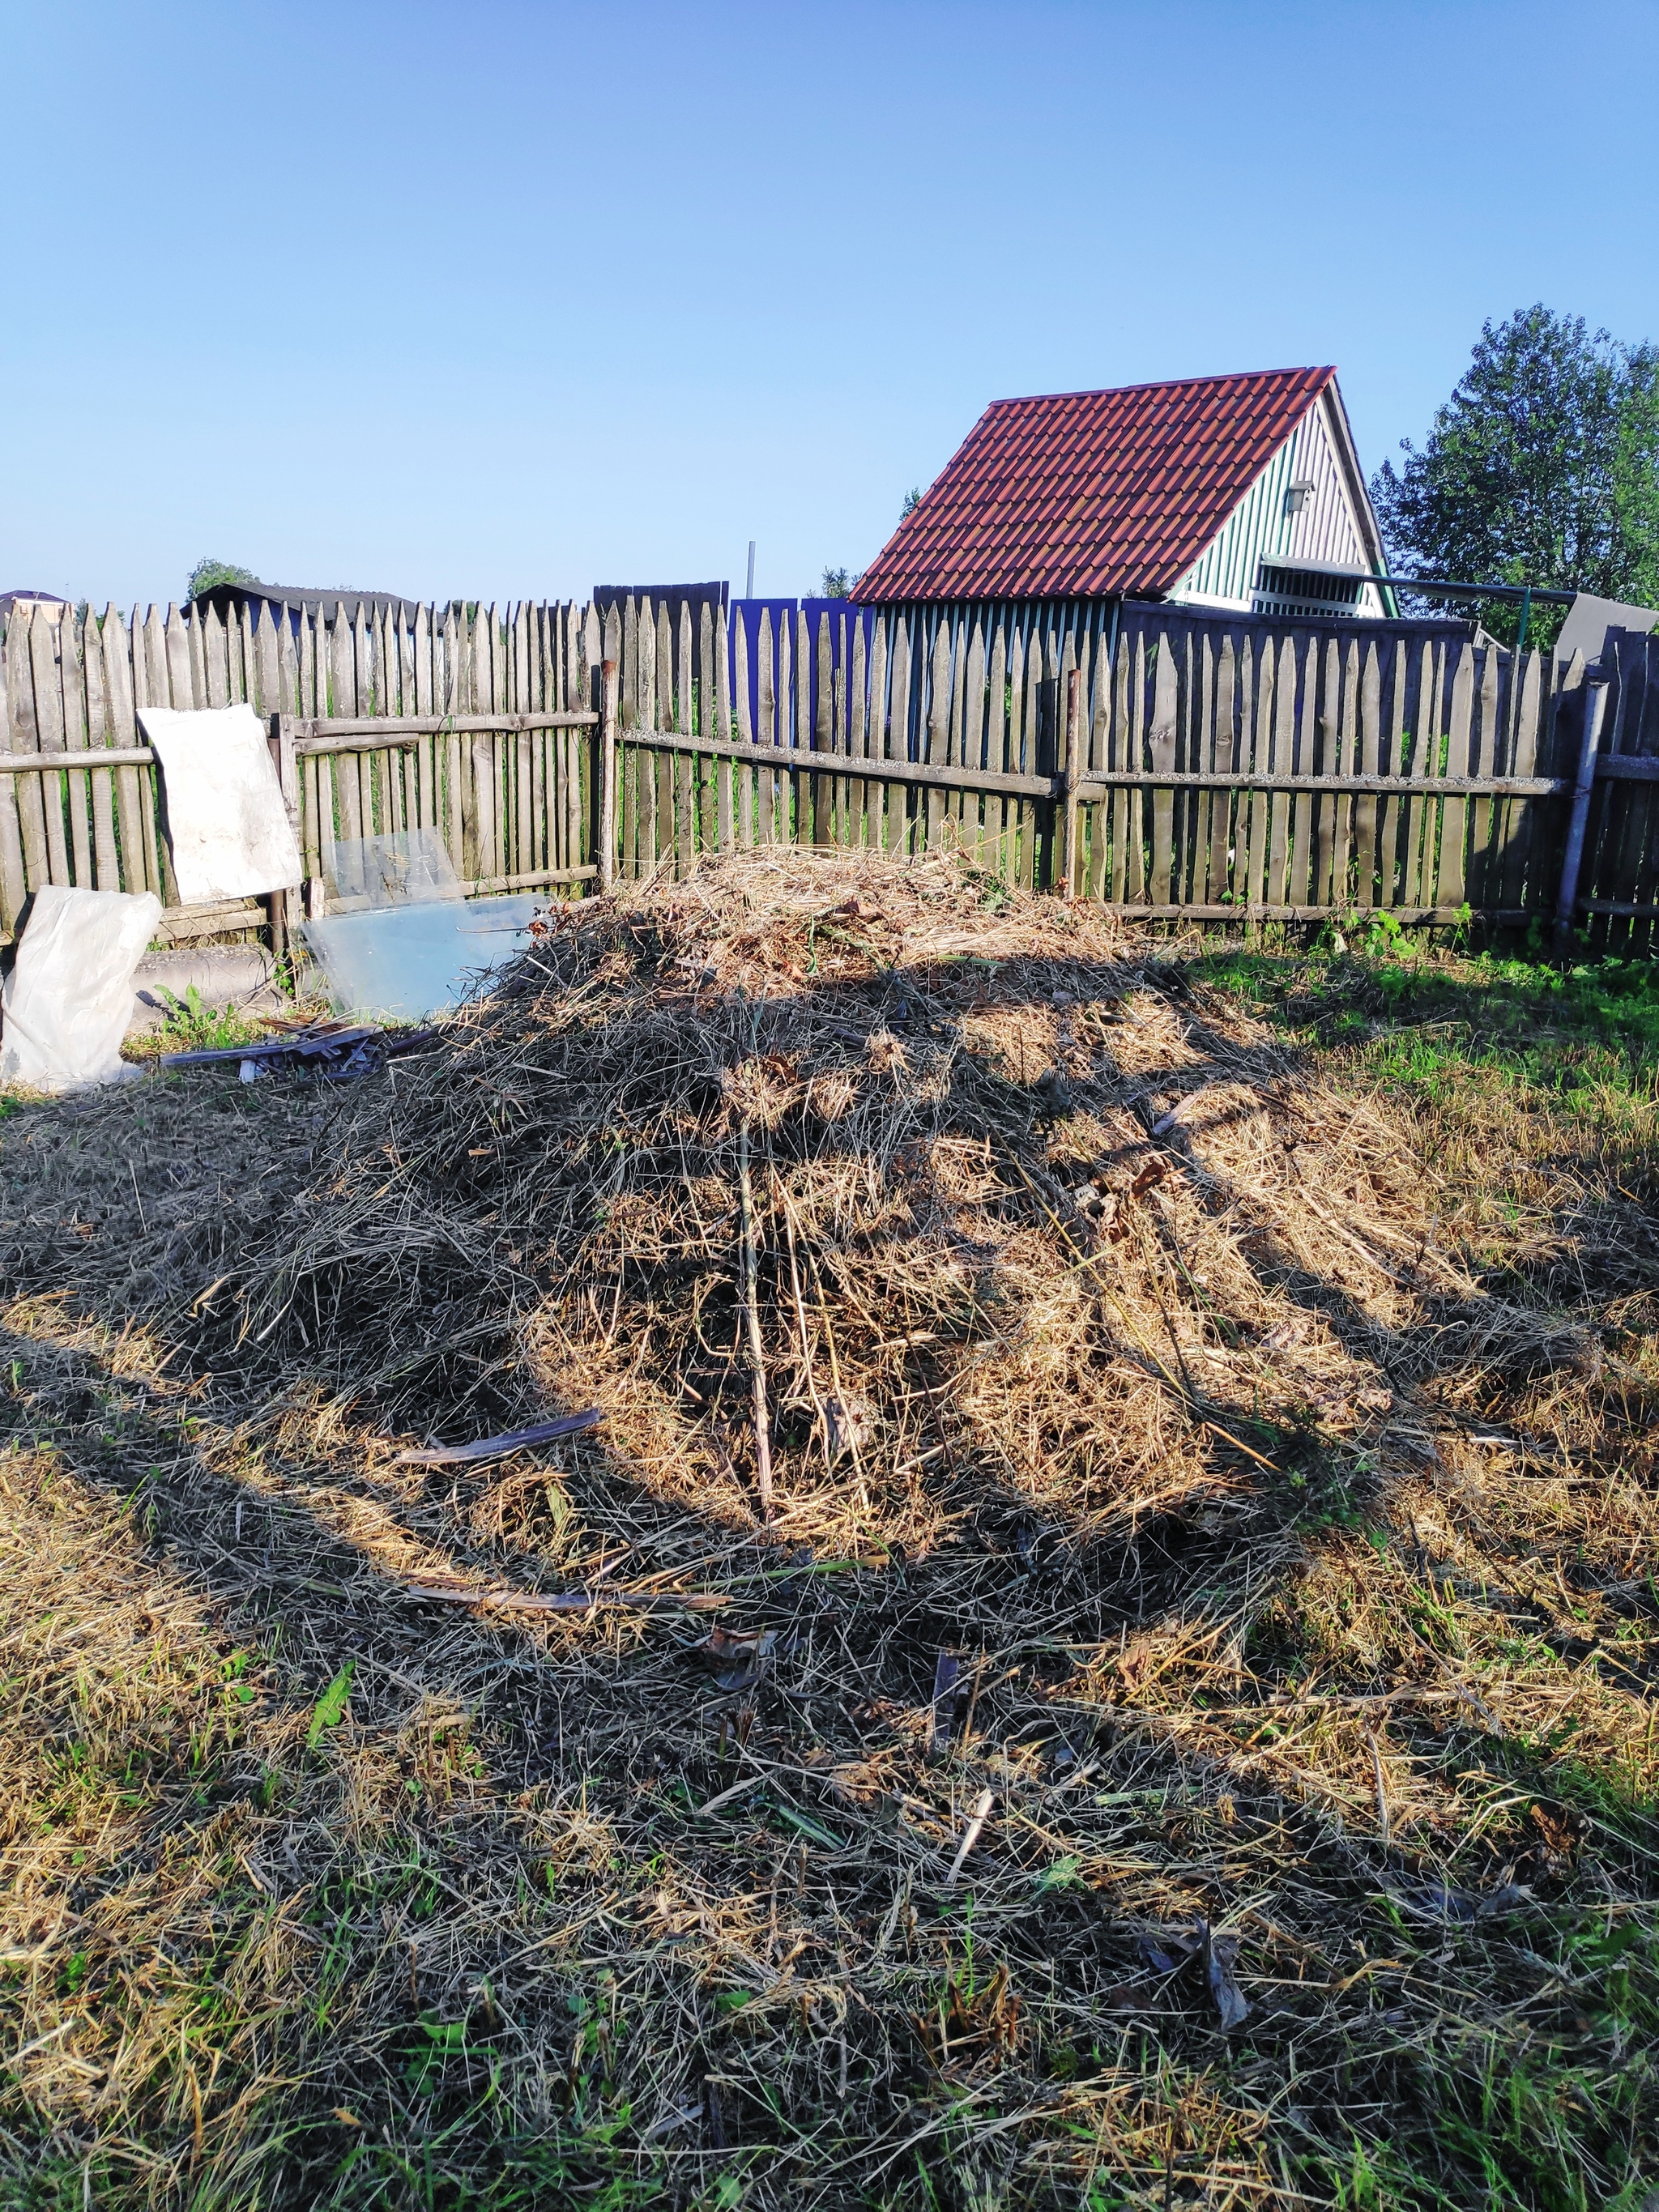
{"type": "Point", "coordinates": [1233, 492]}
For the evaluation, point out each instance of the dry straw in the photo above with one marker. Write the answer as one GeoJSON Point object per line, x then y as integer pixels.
{"type": "Point", "coordinates": [955, 1273]}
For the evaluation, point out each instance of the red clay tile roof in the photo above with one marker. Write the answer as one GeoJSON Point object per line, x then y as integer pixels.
{"type": "Point", "coordinates": [1083, 493]}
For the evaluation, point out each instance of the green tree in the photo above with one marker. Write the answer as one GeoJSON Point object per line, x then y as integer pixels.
{"type": "Point", "coordinates": [836, 583]}
{"type": "Point", "coordinates": [911, 501]}
{"type": "Point", "coordinates": [206, 574]}
{"type": "Point", "coordinates": [1542, 468]}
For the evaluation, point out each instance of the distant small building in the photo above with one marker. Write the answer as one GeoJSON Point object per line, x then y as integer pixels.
{"type": "Point", "coordinates": [1236, 492]}
{"type": "Point", "coordinates": [21, 602]}
{"type": "Point", "coordinates": [225, 598]}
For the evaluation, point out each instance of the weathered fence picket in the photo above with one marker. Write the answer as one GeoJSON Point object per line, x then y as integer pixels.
{"type": "Point", "coordinates": [1214, 768]}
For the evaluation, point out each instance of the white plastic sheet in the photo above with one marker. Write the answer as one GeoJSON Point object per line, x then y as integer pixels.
{"type": "Point", "coordinates": [400, 963]}
{"type": "Point", "coordinates": [402, 868]}
{"type": "Point", "coordinates": [69, 997]}
{"type": "Point", "coordinates": [227, 826]}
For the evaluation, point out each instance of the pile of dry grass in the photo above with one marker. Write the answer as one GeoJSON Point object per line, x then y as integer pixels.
{"type": "Point", "coordinates": [1054, 1385]}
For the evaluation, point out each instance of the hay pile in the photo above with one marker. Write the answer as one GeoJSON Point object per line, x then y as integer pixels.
{"type": "Point", "coordinates": [1002, 1344]}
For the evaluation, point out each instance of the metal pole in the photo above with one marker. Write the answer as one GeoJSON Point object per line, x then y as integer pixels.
{"type": "Point", "coordinates": [1573, 856]}
{"type": "Point", "coordinates": [749, 589]}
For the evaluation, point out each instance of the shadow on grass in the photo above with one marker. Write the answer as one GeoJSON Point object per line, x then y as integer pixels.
{"type": "Point", "coordinates": [518, 1959]}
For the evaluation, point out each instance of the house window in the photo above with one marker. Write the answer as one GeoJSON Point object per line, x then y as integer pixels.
{"type": "Point", "coordinates": [1312, 592]}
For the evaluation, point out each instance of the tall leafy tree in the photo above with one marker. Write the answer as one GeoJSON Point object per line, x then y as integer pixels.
{"type": "Point", "coordinates": [1541, 468]}
{"type": "Point", "coordinates": [206, 574]}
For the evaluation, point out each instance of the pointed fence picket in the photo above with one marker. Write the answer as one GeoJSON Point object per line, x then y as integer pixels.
{"type": "Point", "coordinates": [1204, 767]}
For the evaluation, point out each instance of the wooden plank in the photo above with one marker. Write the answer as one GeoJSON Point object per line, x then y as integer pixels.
{"type": "Point", "coordinates": [1270, 888]}
{"type": "Point", "coordinates": [857, 661]}
{"type": "Point", "coordinates": [528, 801]}
{"type": "Point", "coordinates": [118, 643]}
{"type": "Point", "coordinates": [800, 730]}
{"type": "Point", "coordinates": [447, 764]}
{"type": "Point", "coordinates": [656, 787]}
{"type": "Point", "coordinates": [1223, 732]}
{"type": "Point", "coordinates": [532, 879]}
{"type": "Point", "coordinates": [1035, 840]}
{"type": "Point", "coordinates": [1451, 882]}
{"type": "Point", "coordinates": [1268, 669]}
{"type": "Point", "coordinates": [1392, 676]}
{"type": "Point", "coordinates": [1134, 752]}
{"type": "Point", "coordinates": [14, 882]}
{"type": "Point", "coordinates": [1342, 879]}
{"type": "Point", "coordinates": [955, 627]}
{"type": "Point", "coordinates": [766, 723]}
{"type": "Point", "coordinates": [157, 692]}
{"type": "Point", "coordinates": [345, 776]}
{"type": "Point", "coordinates": [1418, 746]}
{"type": "Point", "coordinates": [715, 809]}
{"type": "Point", "coordinates": [996, 811]}
{"type": "Point", "coordinates": [1323, 861]}
{"type": "Point", "coordinates": [746, 788]}
{"type": "Point", "coordinates": [674, 665]}
{"type": "Point", "coordinates": [99, 736]}
{"type": "Point", "coordinates": [918, 773]}
{"type": "Point", "coordinates": [1645, 738]}
{"type": "Point", "coordinates": [44, 651]}
{"type": "Point", "coordinates": [609, 729]}
{"type": "Point", "coordinates": [971, 747]}
{"type": "Point", "coordinates": [820, 688]}
{"type": "Point", "coordinates": [414, 725]}
{"type": "Point", "coordinates": [1366, 749]}
{"type": "Point", "coordinates": [209, 630]}
{"type": "Point", "coordinates": [1487, 753]}
{"type": "Point", "coordinates": [732, 787]}
{"type": "Point", "coordinates": [875, 732]}
{"type": "Point", "coordinates": [1161, 740]}
{"type": "Point", "coordinates": [679, 635]}
{"type": "Point", "coordinates": [581, 764]}
{"type": "Point", "coordinates": [77, 725]}
{"type": "Point", "coordinates": [27, 797]}
{"type": "Point", "coordinates": [1518, 818]}
{"type": "Point", "coordinates": [904, 665]}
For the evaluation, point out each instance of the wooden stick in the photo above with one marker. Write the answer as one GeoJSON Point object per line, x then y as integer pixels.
{"type": "Point", "coordinates": [983, 1805]}
{"type": "Point", "coordinates": [751, 1315]}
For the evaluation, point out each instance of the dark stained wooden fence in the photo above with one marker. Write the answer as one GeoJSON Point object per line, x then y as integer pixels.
{"type": "Point", "coordinates": [1168, 761]}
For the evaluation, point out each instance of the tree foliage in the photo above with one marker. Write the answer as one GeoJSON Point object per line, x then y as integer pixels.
{"type": "Point", "coordinates": [1542, 468]}
{"type": "Point", "coordinates": [206, 574]}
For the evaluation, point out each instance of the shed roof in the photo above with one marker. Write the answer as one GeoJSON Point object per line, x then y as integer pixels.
{"type": "Point", "coordinates": [226, 595]}
{"type": "Point", "coordinates": [1082, 494]}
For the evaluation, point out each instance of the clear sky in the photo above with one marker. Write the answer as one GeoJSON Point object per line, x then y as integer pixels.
{"type": "Point", "coordinates": [503, 300]}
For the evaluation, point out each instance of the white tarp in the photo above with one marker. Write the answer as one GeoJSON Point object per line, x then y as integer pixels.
{"type": "Point", "coordinates": [68, 998]}
{"type": "Point", "coordinates": [227, 826]}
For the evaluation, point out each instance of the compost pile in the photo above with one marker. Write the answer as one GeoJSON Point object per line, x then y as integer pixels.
{"type": "Point", "coordinates": [863, 1202]}
{"type": "Point", "coordinates": [1012, 1685]}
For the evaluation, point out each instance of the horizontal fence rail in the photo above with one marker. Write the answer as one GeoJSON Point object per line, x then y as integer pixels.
{"type": "Point", "coordinates": [1168, 762]}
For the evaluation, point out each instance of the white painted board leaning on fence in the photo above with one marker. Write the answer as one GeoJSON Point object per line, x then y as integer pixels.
{"type": "Point", "coordinates": [227, 827]}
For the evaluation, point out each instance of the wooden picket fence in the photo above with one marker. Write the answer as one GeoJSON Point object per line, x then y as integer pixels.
{"type": "Point", "coordinates": [1171, 763]}
{"type": "Point", "coordinates": [471, 724]}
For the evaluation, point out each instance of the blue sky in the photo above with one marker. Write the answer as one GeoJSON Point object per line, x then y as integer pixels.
{"type": "Point", "coordinates": [503, 300]}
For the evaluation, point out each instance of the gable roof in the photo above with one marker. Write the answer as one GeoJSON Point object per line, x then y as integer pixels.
{"type": "Point", "coordinates": [1081, 493]}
